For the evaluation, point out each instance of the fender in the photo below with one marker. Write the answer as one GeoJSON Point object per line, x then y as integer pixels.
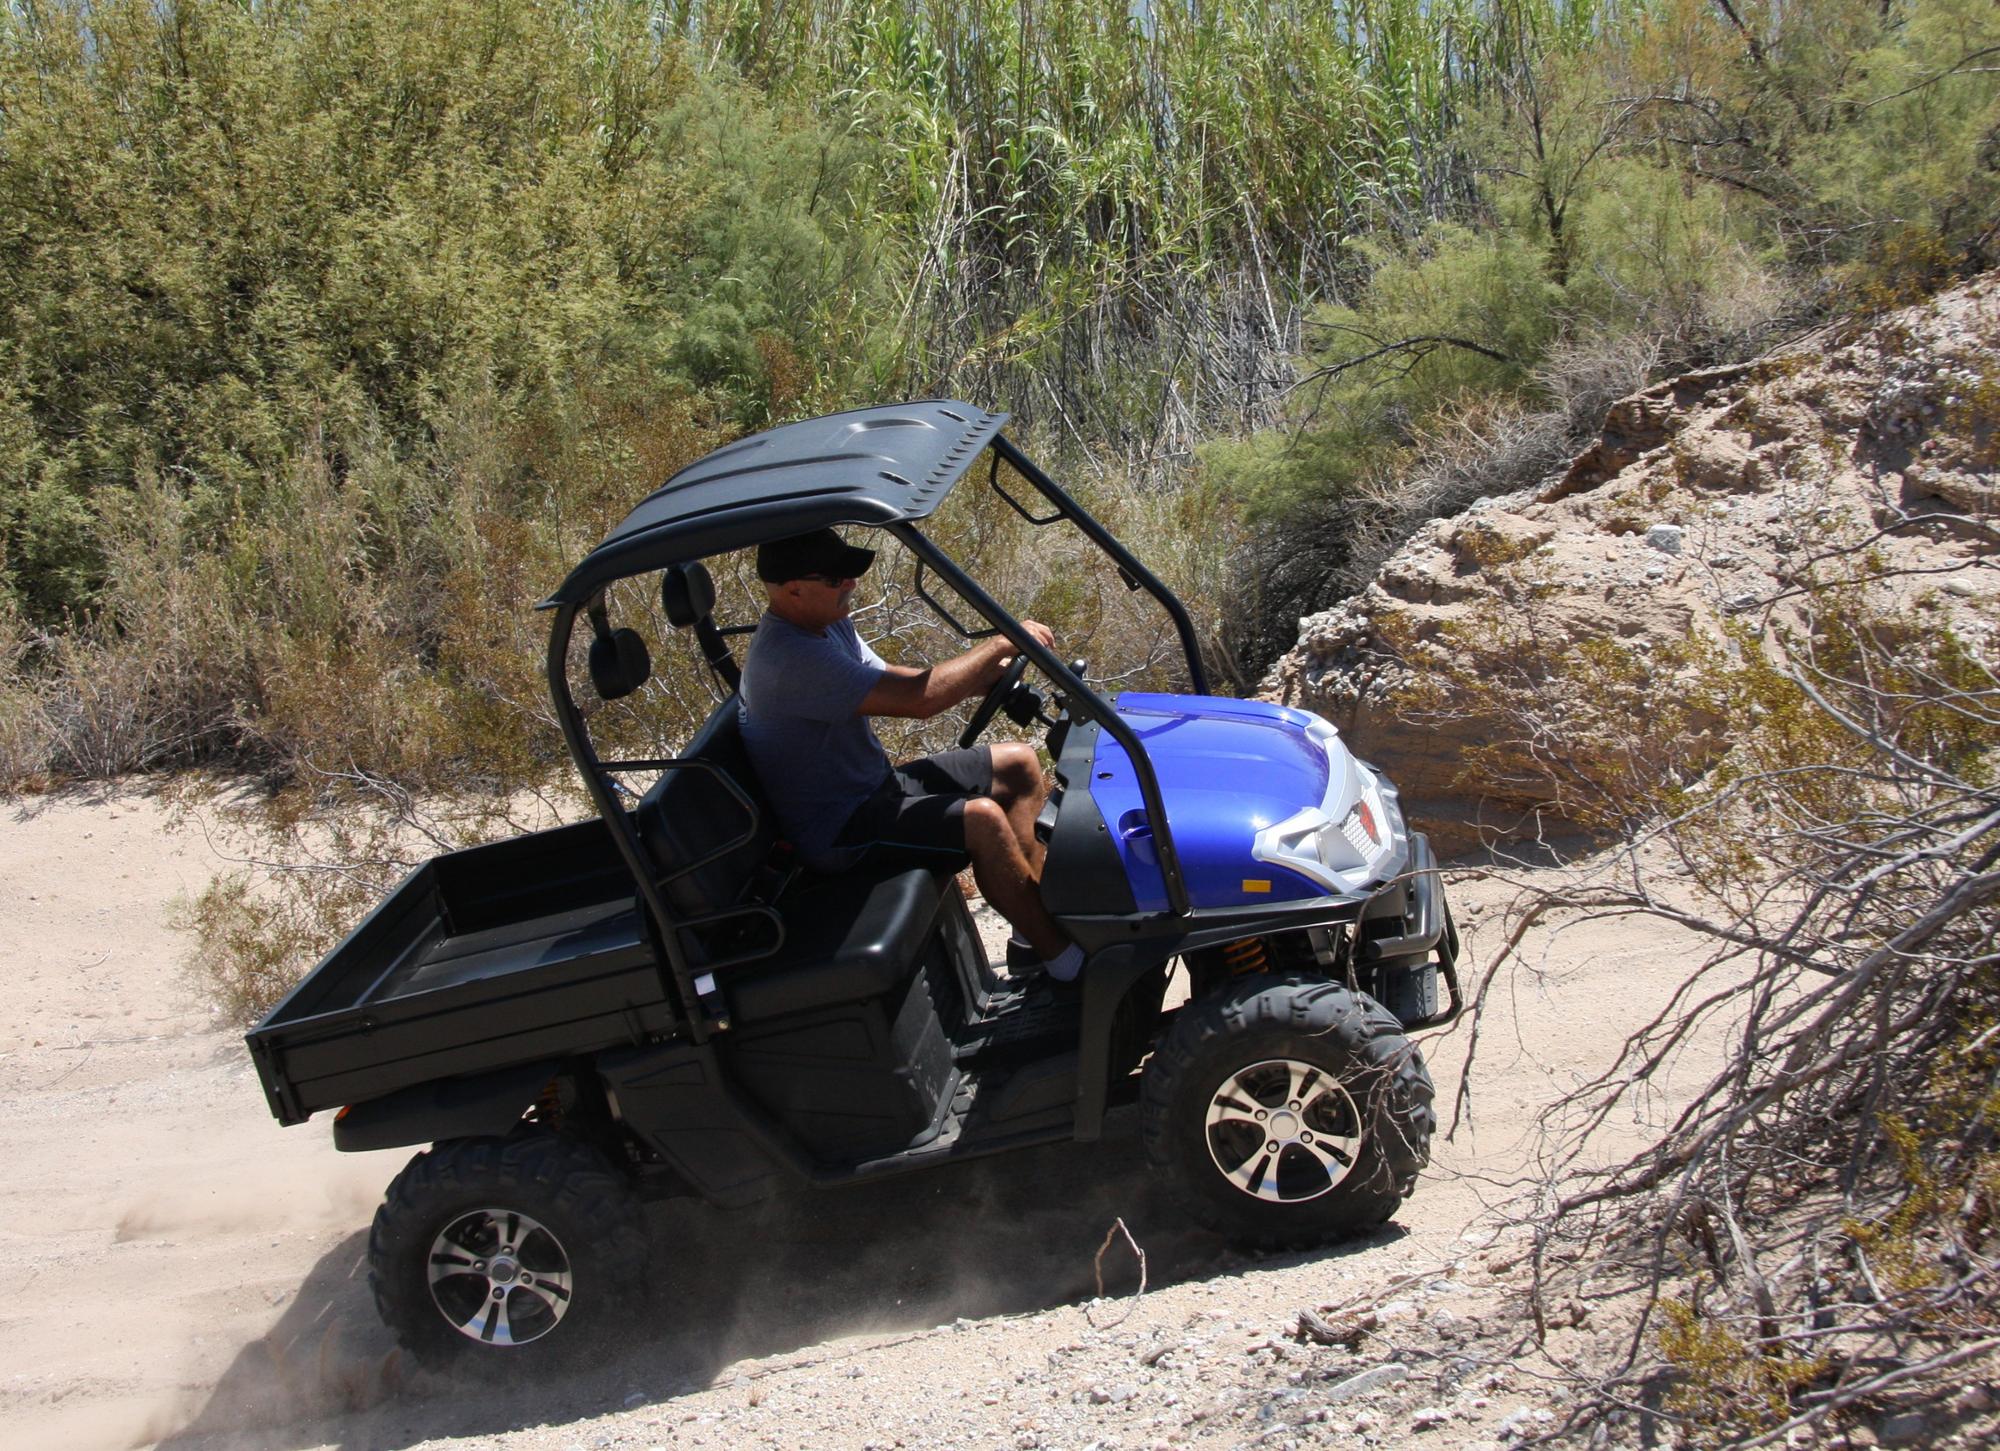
{"type": "Point", "coordinates": [451, 1108]}
{"type": "Point", "coordinates": [1108, 975]}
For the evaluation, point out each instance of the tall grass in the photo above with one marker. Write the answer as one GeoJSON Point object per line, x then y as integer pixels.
{"type": "Point", "coordinates": [1111, 220]}
{"type": "Point", "coordinates": [332, 333]}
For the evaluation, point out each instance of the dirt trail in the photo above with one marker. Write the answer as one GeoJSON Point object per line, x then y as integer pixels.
{"type": "Point", "coordinates": [190, 1274]}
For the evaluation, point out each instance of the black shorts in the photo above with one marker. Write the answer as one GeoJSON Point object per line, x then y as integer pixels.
{"type": "Point", "coordinates": [917, 817]}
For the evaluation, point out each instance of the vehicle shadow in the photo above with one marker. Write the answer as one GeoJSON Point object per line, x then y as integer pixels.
{"type": "Point", "coordinates": [989, 1237]}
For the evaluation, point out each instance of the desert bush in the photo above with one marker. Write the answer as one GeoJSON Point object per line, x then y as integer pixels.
{"type": "Point", "coordinates": [337, 289]}
{"type": "Point", "coordinates": [1817, 800]}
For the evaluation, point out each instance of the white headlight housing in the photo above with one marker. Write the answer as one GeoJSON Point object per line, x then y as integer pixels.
{"type": "Point", "coordinates": [1353, 839]}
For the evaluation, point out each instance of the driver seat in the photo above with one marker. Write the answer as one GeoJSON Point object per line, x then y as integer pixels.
{"type": "Point", "coordinates": [849, 938]}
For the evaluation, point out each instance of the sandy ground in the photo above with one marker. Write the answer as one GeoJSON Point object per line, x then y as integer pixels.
{"type": "Point", "coordinates": [189, 1274]}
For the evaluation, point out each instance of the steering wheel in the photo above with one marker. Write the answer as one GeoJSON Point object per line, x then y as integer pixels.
{"type": "Point", "coordinates": [990, 706]}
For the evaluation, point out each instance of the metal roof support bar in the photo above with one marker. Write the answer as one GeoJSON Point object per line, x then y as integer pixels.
{"type": "Point", "coordinates": [1080, 695]}
{"type": "Point", "coordinates": [619, 822]}
{"type": "Point", "coordinates": [1128, 565]}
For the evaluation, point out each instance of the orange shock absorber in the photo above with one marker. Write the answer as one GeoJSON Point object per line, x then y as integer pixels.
{"type": "Point", "coordinates": [548, 1105]}
{"type": "Point", "coordinates": [1246, 956]}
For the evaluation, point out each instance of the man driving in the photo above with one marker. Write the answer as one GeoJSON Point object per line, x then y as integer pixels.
{"type": "Point", "coordinates": [810, 685]}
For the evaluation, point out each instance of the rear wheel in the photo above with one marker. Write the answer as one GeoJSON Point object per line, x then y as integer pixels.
{"type": "Point", "coordinates": [1288, 1112]}
{"type": "Point", "coordinates": [489, 1253]}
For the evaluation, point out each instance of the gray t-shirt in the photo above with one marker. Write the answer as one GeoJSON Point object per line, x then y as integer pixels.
{"type": "Point", "coordinates": [814, 751]}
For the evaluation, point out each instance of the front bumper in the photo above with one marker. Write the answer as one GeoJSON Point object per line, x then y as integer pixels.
{"type": "Point", "coordinates": [1406, 932]}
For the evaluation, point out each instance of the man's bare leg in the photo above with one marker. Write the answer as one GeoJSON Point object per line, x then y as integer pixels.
{"type": "Point", "coordinates": [1005, 879]}
{"type": "Point", "coordinates": [1020, 789]}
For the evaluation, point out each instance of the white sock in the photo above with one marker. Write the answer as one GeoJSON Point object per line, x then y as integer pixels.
{"type": "Point", "coordinates": [1065, 965]}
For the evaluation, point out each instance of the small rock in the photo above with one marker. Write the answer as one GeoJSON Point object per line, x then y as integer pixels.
{"type": "Point", "coordinates": [1111, 1395]}
{"type": "Point", "coordinates": [1973, 1401]}
{"type": "Point", "coordinates": [1425, 1417]}
{"type": "Point", "coordinates": [1902, 1429]}
{"type": "Point", "coordinates": [1666, 538]}
{"type": "Point", "coordinates": [1737, 604]}
{"type": "Point", "coordinates": [634, 1398]}
{"type": "Point", "coordinates": [1372, 1379]}
{"type": "Point", "coordinates": [1515, 1424]}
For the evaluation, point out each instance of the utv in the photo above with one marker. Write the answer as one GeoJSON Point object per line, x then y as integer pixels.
{"type": "Point", "coordinates": [658, 1002]}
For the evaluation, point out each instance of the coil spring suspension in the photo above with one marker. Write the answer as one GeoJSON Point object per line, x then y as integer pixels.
{"type": "Point", "coordinates": [548, 1105]}
{"type": "Point", "coordinates": [1246, 956]}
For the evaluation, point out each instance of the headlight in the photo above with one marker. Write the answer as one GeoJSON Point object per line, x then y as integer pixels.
{"type": "Point", "coordinates": [1342, 856]}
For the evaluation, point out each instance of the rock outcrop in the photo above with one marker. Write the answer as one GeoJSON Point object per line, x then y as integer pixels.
{"type": "Point", "coordinates": [1711, 497]}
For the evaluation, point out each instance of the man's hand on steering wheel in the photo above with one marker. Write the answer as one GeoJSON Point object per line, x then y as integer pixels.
{"type": "Point", "coordinates": [1011, 671]}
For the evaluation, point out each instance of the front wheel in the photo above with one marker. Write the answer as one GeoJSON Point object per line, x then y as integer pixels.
{"type": "Point", "coordinates": [1287, 1112]}
{"type": "Point", "coordinates": [490, 1253]}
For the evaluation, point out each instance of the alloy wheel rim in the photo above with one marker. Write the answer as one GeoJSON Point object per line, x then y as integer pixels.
{"type": "Point", "coordinates": [500, 1277]}
{"type": "Point", "coordinates": [1282, 1131]}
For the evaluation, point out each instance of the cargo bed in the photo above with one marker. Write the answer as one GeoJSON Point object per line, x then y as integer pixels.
{"type": "Point", "coordinates": [526, 949]}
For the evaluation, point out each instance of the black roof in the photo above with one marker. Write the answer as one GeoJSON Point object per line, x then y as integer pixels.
{"type": "Point", "coordinates": [874, 466]}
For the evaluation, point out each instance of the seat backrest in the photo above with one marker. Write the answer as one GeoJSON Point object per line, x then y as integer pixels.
{"type": "Point", "coordinates": [687, 595]}
{"type": "Point", "coordinates": [689, 814]}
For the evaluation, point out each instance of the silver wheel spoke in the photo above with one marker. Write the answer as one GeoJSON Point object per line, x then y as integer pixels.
{"type": "Point", "coordinates": [1233, 1108]}
{"type": "Point", "coordinates": [1299, 1080]}
{"type": "Point", "coordinates": [1336, 1156]}
{"type": "Point", "coordinates": [552, 1291]}
{"type": "Point", "coordinates": [490, 1322]}
{"type": "Point", "coordinates": [1252, 1176]}
{"type": "Point", "coordinates": [1326, 1094]}
{"type": "Point", "coordinates": [448, 1264]}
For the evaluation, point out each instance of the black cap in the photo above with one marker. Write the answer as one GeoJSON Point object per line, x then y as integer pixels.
{"type": "Point", "coordinates": [820, 552]}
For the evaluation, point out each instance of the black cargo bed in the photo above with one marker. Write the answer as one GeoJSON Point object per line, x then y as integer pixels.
{"type": "Point", "coordinates": [522, 950]}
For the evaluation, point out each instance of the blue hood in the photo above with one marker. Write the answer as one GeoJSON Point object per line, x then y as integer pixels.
{"type": "Point", "coordinates": [1227, 770]}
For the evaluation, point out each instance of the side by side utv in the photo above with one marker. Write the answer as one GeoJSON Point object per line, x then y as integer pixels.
{"type": "Point", "coordinates": [658, 1002]}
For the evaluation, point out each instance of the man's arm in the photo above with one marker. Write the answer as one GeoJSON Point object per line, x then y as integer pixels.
{"type": "Point", "coordinates": [921, 694]}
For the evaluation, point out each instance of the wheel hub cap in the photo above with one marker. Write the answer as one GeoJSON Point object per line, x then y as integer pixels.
{"type": "Point", "coordinates": [500, 1277]}
{"type": "Point", "coordinates": [1283, 1131]}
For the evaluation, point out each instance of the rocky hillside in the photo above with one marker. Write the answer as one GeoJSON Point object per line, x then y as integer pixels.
{"type": "Point", "coordinates": [1721, 497]}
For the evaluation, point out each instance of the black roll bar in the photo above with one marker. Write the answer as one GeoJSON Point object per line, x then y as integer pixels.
{"type": "Point", "coordinates": [596, 780]}
{"type": "Point", "coordinates": [1137, 576]}
{"type": "Point", "coordinates": [1080, 694]}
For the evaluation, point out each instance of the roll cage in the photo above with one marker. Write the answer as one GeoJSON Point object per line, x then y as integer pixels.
{"type": "Point", "coordinates": [887, 468]}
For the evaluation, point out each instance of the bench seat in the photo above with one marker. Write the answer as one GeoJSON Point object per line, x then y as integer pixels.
{"type": "Point", "coordinates": [848, 938]}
